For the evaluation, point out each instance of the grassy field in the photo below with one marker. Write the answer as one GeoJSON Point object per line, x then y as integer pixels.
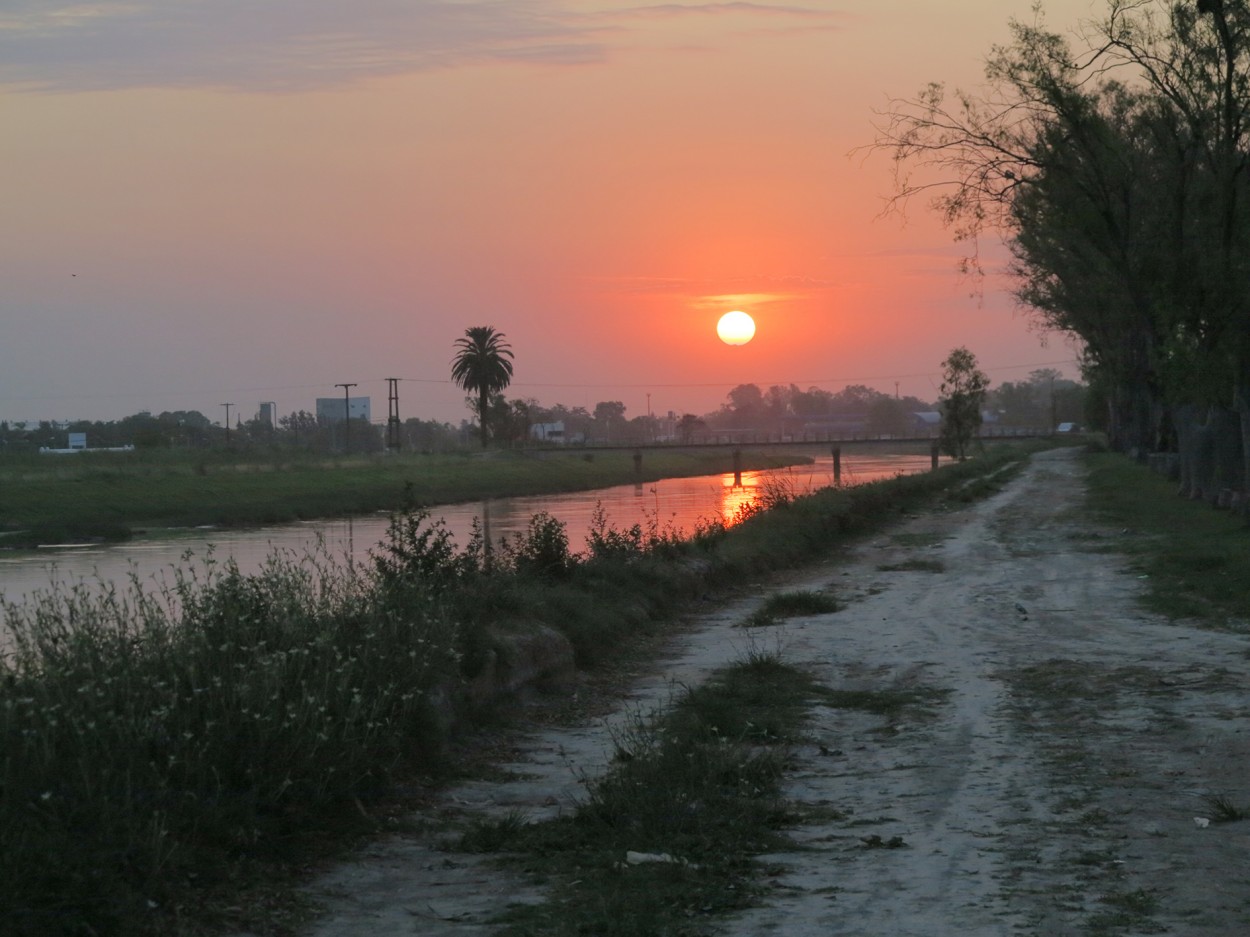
{"type": "Point", "coordinates": [1194, 560]}
{"type": "Point", "coordinates": [49, 499]}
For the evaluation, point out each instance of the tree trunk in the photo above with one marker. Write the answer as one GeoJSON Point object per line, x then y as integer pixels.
{"type": "Point", "coordinates": [1241, 401]}
{"type": "Point", "coordinates": [1132, 418]}
{"type": "Point", "coordinates": [1211, 452]}
{"type": "Point", "coordinates": [1227, 454]}
{"type": "Point", "coordinates": [1190, 439]}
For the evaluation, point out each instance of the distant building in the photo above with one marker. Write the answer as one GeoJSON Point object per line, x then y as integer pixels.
{"type": "Point", "coordinates": [78, 443]}
{"type": "Point", "coordinates": [330, 409]}
{"type": "Point", "coordinates": [268, 413]}
{"type": "Point", "coordinates": [548, 432]}
{"type": "Point", "coordinates": [555, 433]}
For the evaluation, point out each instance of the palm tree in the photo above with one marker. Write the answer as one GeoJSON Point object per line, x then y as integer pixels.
{"type": "Point", "coordinates": [483, 365]}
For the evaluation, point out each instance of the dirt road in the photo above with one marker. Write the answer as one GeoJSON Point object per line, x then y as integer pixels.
{"type": "Point", "coordinates": [1064, 780]}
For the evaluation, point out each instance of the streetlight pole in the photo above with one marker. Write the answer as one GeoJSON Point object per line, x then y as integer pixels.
{"type": "Point", "coordinates": [227, 406]}
{"type": "Point", "coordinates": [347, 418]}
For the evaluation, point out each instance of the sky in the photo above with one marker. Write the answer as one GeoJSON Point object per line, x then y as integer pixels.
{"type": "Point", "coordinates": [230, 201]}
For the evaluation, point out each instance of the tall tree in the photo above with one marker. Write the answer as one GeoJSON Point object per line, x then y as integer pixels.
{"type": "Point", "coordinates": [1120, 177]}
{"type": "Point", "coordinates": [963, 388]}
{"type": "Point", "coordinates": [482, 366]}
{"type": "Point", "coordinates": [609, 416]}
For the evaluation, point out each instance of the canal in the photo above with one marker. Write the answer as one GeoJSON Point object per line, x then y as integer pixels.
{"type": "Point", "coordinates": [679, 504]}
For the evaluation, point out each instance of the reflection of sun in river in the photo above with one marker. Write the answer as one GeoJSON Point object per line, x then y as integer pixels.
{"type": "Point", "coordinates": [735, 498]}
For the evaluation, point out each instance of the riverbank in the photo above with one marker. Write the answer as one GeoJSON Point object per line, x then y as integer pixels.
{"type": "Point", "coordinates": [154, 761]}
{"type": "Point", "coordinates": [1000, 739]}
{"type": "Point", "coordinates": [114, 496]}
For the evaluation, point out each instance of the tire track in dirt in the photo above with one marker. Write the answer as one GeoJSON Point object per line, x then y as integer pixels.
{"type": "Point", "coordinates": [1019, 816]}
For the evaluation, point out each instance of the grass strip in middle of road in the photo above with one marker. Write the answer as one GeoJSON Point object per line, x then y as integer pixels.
{"type": "Point", "coordinates": [664, 842]}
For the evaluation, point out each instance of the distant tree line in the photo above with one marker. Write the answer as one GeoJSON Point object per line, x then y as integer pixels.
{"type": "Point", "coordinates": [856, 410]}
{"type": "Point", "coordinates": [191, 429]}
{"type": "Point", "coordinates": [1034, 404]}
{"type": "Point", "coordinates": [483, 365]}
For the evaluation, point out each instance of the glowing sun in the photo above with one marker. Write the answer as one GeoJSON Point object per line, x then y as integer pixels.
{"type": "Point", "coordinates": [735, 328]}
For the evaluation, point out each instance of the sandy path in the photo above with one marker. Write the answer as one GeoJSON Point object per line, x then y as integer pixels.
{"type": "Point", "coordinates": [1052, 789]}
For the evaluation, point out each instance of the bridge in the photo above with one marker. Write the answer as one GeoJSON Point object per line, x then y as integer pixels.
{"type": "Point", "coordinates": [745, 440]}
{"type": "Point", "coordinates": [834, 444]}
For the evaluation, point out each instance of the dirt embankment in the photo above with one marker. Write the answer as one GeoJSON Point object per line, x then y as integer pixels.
{"type": "Point", "coordinates": [1065, 780]}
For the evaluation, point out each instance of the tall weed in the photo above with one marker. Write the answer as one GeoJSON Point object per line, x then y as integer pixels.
{"type": "Point", "coordinates": [540, 551]}
{"type": "Point", "coordinates": [152, 734]}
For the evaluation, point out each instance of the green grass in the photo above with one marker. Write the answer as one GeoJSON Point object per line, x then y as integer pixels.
{"type": "Point", "coordinates": [1225, 810]}
{"type": "Point", "coordinates": [782, 605]}
{"type": "Point", "coordinates": [80, 497]}
{"type": "Point", "coordinates": [1194, 561]}
{"type": "Point", "coordinates": [154, 744]}
{"type": "Point", "coordinates": [1125, 913]}
{"type": "Point", "coordinates": [697, 789]}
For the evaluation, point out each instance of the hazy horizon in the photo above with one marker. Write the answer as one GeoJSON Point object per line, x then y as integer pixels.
{"type": "Point", "coordinates": [210, 202]}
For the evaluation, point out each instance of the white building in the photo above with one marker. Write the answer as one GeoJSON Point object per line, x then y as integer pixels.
{"type": "Point", "coordinates": [548, 432]}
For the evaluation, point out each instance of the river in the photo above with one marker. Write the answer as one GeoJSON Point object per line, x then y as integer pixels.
{"type": "Point", "coordinates": [676, 503]}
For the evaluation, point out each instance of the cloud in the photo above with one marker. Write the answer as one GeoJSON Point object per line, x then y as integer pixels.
{"type": "Point", "coordinates": [297, 45]}
{"type": "Point", "coordinates": [279, 45]}
{"type": "Point", "coordinates": [721, 288]}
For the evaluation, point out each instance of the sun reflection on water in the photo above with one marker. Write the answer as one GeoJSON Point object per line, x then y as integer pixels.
{"type": "Point", "coordinates": [738, 499]}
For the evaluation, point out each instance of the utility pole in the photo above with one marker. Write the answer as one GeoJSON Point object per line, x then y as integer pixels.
{"type": "Point", "coordinates": [227, 406]}
{"type": "Point", "coordinates": [347, 417]}
{"type": "Point", "coordinates": [392, 414]}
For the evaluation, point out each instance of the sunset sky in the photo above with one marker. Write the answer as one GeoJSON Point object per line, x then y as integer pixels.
{"type": "Point", "coordinates": [210, 201]}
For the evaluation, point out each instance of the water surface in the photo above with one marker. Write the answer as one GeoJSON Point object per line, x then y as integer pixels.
{"type": "Point", "coordinates": [673, 503]}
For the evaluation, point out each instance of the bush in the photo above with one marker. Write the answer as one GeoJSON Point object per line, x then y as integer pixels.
{"type": "Point", "coordinates": [542, 551]}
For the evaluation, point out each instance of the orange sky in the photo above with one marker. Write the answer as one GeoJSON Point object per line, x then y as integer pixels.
{"type": "Point", "coordinates": [207, 204]}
